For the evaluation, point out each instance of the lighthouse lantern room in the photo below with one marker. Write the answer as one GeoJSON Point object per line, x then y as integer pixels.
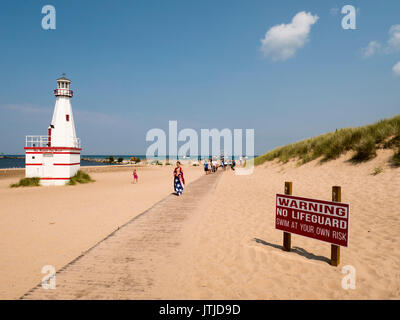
{"type": "Point", "coordinates": [55, 157]}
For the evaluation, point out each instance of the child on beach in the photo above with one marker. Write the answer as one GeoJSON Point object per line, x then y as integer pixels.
{"type": "Point", "coordinates": [135, 176]}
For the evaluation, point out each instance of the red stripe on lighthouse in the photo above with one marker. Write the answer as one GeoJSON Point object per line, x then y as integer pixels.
{"type": "Point", "coordinates": [53, 152]}
{"type": "Point", "coordinates": [67, 164]}
{"type": "Point", "coordinates": [52, 148]}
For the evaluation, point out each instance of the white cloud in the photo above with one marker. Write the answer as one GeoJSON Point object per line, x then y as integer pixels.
{"type": "Point", "coordinates": [372, 48]}
{"type": "Point", "coordinates": [394, 40]}
{"type": "Point", "coordinates": [396, 69]}
{"type": "Point", "coordinates": [392, 45]}
{"type": "Point", "coordinates": [282, 41]}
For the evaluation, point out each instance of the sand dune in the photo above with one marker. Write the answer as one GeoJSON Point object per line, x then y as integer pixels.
{"type": "Point", "coordinates": [234, 252]}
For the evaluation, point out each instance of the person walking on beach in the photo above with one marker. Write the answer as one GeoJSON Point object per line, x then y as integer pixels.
{"type": "Point", "coordinates": [135, 176]}
{"type": "Point", "coordinates": [206, 167]}
{"type": "Point", "coordinates": [179, 180]}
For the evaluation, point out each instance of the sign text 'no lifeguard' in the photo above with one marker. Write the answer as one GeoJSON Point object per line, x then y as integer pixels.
{"type": "Point", "coordinates": [318, 219]}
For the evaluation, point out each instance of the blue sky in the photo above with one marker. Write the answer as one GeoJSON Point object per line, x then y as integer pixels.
{"type": "Point", "coordinates": [134, 65]}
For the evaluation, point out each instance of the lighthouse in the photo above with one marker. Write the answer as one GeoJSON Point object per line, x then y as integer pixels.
{"type": "Point", "coordinates": [55, 157]}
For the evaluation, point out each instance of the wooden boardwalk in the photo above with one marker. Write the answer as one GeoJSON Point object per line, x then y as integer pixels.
{"type": "Point", "coordinates": [124, 264]}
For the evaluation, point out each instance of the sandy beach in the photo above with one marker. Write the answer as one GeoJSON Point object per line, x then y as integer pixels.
{"type": "Point", "coordinates": [238, 251]}
{"type": "Point", "coordinates": [227, 248]}
{"type": "Point", "coordinates": [53, 225]}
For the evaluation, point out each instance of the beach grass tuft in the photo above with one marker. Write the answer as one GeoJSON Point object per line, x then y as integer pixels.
{"type": "Point", "coordinates": [80, 177]}
{"type": "Point", "coordinates": [364, 150]}
{"type": "Point", "coordinates": [377, 171]}
{"type": "Point", "coordinates": [27, 182]}
{"type": "Point", "coordinates": [396, 158]}
{"type": "Point", "coordinates": [157, 163]}
{"type": "Point", "coordinates": [364, 141]}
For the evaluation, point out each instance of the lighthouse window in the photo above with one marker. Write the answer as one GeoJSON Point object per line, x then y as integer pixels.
{"type": "Point", "coordinates": [33, 157]}
{"type": "Point", "coordinates": [67, 117]}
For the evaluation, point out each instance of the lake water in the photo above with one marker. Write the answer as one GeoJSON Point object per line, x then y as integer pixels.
{"type": "Point", "coordinates": [6, 163]}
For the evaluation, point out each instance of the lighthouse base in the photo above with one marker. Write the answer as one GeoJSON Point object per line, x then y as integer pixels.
{"type": "Point", "coordinates": [53, 182]}
{"type": "Point", "coordinates": [53, 165]}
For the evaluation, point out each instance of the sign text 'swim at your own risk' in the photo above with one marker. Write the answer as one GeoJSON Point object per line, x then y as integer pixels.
{"type": "Point", "coordinates": [318, 219]}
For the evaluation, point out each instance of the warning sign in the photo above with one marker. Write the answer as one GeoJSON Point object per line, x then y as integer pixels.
{"type": "Point", "coordinates": [317, 219]}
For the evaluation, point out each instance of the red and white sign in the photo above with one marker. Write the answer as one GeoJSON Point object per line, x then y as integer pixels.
{"type": "Point", "coordinates": [322, 220]}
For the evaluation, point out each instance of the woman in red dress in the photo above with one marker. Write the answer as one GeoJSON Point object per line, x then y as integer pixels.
{"type": "Point", "coordinates": [179, 180]}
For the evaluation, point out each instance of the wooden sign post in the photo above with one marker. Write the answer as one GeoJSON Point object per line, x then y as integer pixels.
{"type": "Point", "coordinates": [313, 218]}
{"type": "Point", "coordinates": [287, 237]}
{"type": "Point", "coordinates": [335, 250]}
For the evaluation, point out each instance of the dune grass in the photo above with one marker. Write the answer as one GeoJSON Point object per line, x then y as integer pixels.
{"type": "Point", "coordinates": [364, 141]}
{"type": "Point", "coordinates": [377, 171]}
{"type": "Point", "coordinates": [80, 177]}
{"type": "Point", "coordinates": [396, 158]}
{"type": "Point", "coordinates": [27, 182]}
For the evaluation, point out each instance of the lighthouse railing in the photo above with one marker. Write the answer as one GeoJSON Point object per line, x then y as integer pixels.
{"type": "Point", "coordinates": [45, 141]}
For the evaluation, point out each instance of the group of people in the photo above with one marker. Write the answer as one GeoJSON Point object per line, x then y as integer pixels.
{"type": "Point", "coordinates": [211, 166]}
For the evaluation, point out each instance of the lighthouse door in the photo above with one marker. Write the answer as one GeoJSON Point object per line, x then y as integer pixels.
{"type": "Point", "coordinates": [47, 165]}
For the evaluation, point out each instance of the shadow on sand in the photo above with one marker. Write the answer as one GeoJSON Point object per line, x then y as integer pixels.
{"type": "Point", "coordinates": [300, 251]}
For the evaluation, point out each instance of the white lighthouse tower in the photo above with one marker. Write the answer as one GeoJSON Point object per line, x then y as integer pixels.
{"type": "Point", "coordinates": [55, 158]}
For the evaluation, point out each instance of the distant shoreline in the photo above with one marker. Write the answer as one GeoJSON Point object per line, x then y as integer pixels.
{"type": "Point", "coordinates": [13, 161]}
{"type": "Point", "coordinates": [12, 157]}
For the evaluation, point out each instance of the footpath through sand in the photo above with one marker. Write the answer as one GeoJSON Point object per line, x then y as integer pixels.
{"type": "Point", "coordinates": [129, 263]}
